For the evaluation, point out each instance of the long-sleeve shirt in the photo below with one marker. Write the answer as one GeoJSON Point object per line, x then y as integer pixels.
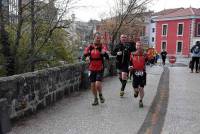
{"type": "Point", "coordinates": [126, 49]}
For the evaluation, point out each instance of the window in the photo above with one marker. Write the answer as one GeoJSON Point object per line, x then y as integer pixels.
{"type": "Point", "coordinates": [5, 3]}
{"type": "Point", "coordinates": [164, 29]}
{"type": "Point", "coordinates": [152, 39]}
{"type": "Point", "coordinates": [179, 47]}
{"type": "Point", "coordinates": [153, 30]}
{"type": "Point", "coordinates": [164, 45]}
{"type": "Point", "coordinates": [198, 29]}
{"type": "Point", "coordinates": [180, 29]}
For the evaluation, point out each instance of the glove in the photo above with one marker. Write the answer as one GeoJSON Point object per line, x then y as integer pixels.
{"type": "Point", "coordinates": [130, 68]}
{"type": "Point", "coordinates": [119, 53]}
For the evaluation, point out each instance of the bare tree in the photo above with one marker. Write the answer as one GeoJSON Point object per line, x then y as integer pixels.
{"type": "Point", "coordinates": [123, 13]}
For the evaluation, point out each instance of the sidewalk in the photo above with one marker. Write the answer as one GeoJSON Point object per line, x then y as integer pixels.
{"type": "Point", "coordinates": [184, 102]}
{"type": "Point", "coordinates": [179, 60]}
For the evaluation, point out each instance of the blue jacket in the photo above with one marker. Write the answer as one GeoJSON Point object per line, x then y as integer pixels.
{"type": "Point", "coordinates": [195, 51]}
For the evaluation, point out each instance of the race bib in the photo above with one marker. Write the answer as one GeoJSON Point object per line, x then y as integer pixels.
{"type": "Point", "coordinates": [139, 73]}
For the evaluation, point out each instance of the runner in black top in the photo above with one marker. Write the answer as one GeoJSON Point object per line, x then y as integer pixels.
{"type": "Point", "coordinates": [122, 52]}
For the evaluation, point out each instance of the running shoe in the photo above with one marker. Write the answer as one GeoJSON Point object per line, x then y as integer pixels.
{"type": "Point", "coordinates": [121, 93]}
{"type": "Point", "coordinates": [95, 102]}
{"type": "Point", "coordinates": [140, 104]}
{"type": "Point", "coordinates": [102, 100]}
{"type": "Point", "coordinates": [136, 94]}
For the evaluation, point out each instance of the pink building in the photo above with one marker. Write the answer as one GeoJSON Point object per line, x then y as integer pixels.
{"type": "Point", "coordinates": [178, 31]}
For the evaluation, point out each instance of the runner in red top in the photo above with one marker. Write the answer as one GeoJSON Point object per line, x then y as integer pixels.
{"type": "Point", "coordinates": [137, 66]}
{"type": "Point", "coordinates": [95, 54]}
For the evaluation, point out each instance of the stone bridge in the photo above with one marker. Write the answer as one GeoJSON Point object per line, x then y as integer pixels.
{"type": "Point", "coordinates": [55, 101]}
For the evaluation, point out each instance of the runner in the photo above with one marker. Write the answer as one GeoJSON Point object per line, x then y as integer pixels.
{"type": "Point", "coordinates": [95, 54]}
{"type": "Point", "coordinates": [122, 52]}
{"type": "Point", "coordinates": [137, 66]}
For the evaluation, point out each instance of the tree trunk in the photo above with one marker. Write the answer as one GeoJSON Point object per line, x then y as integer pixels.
{"type": "Point", "coordinates": [10, 61]}
{"type": "Point", "coordinates": [32, 31]}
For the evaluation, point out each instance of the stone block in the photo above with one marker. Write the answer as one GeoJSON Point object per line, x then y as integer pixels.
{"type": "Point", "coordinates": [5, 125]}
{"type": "Point", "coordinates": [59, 94]}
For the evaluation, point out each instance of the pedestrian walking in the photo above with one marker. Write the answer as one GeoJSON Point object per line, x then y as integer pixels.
{"type": "Point", "coordinates": [163, 56]}
{"type": "Point", "coordinates": [195, 50]}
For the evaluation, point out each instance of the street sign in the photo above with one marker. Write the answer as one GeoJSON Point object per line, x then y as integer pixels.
{"type": "Point", "coordinates": [144, 40]}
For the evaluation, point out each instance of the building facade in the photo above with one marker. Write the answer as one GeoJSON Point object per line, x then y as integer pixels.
{"type": "Point", "coordinates": [5, 9]}
{"type": "Point", "coordinates": [178, 31]}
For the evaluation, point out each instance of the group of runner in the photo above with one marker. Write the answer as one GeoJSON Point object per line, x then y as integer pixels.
{"type": "Point", "coordinates": [130, 57]}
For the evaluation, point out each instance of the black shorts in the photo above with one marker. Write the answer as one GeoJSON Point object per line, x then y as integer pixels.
{"type": "Point", "coordinates": [139, 79]}
{"type": "Point", "coordinates": [122, 67]}
{"type": "Point", "coordinates": [95, 76]}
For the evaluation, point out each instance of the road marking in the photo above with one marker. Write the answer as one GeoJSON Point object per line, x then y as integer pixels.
{"type": "Point", "coordinates": [154, 120]}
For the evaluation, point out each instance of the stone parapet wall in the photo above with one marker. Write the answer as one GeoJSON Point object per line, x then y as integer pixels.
{"type": "Point", "coordinates": [30, 91]}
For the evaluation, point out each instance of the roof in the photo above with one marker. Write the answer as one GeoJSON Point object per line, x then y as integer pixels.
{"type": "Point", "coordinates": [196, 11]}
{"type": "Point", "coordinates": [166, 11]}
{"type": "Point", "coordinates": [179, 12]}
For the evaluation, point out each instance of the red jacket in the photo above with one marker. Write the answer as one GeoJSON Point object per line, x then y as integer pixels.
{"type": "Point", "coordinates": [137, 60]}
{"type": "Point", "coordinates": [96, 55]}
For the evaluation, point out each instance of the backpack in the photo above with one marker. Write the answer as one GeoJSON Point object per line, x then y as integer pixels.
{"type": "Point", "coordinates": [196, 50]}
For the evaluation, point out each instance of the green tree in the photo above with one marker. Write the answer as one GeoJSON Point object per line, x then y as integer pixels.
{"type": "Point", "coordinates": [37, 39]}
{"type": "Point", "coordinates": [58, 48]}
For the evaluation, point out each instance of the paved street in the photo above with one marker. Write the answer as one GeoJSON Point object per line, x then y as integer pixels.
{"type": "Point", "coordinates": [75, 115]}
{"type": "Point", "coordinates": [48, 48]}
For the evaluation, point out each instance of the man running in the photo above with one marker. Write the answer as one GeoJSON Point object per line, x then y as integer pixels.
{"type": "Point", "coordinates": [137, 66]}
{"type": "Point", "coordinates": [95, 54]}
{"type": "Point", "coordinates": [122, 52]}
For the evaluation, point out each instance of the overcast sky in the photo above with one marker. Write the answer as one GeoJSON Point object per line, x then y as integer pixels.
{"type": "Point", "coordinates": [96, 8]}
